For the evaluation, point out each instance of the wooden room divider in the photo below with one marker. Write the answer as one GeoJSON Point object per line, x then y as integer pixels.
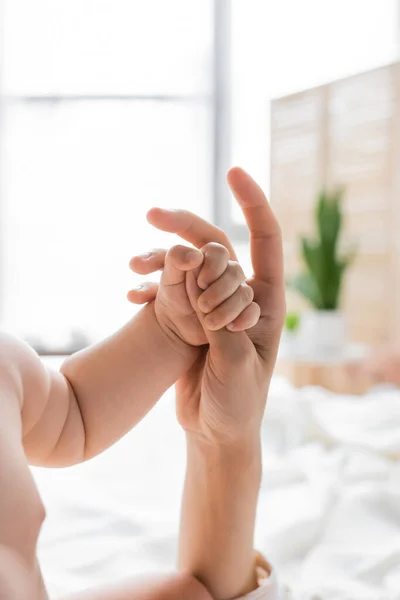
{"type": "Point", "coordinates": [346, 134]}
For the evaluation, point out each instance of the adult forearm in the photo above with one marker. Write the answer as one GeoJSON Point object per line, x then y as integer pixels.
{"type": "Point", "coordinates": [218, 516]}
{"type": "Point", "coordinates": [117, 381]}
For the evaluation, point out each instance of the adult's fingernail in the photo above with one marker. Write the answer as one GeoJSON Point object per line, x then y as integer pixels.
{"type": "Point", "coordinates": [139, 287]}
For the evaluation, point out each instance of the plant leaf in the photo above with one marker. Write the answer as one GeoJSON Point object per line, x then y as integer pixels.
{"type": "Point", "coordinates": [329, 218]}
{"type": "Point", "coordinates": [305, 285]}
{"type": "Point", "coordinates": [322, 282]}
{"type": "Point", "coordinates": [292, 321]}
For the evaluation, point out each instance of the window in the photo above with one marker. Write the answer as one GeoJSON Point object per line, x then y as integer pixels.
{"type": "Point", "coordinates": [108, 110]}
{"type": "Point", "coordinates": [278, 48]}
{"type": "Point", "coordinates": [113, 106]}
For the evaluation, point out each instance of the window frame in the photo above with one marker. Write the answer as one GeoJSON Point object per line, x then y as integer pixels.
{"type": "Point", "coordinates": [222, 197]}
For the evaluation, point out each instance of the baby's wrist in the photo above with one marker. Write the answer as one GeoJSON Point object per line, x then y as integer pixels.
{"type": "Point", "coordinates": [173, 342]}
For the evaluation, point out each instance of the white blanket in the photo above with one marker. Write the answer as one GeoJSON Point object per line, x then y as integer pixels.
{"type": "Point", "coordinates": [329, 511]}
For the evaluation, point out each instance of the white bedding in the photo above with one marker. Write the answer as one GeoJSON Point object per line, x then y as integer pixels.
{"type": "Point", "coordinates": [329, 511]}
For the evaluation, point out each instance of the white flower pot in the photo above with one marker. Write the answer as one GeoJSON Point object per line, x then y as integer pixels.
{"type": "Point", "coordinates": [289, 343]}
{"type": "Point", "coordinates": [323, 333]}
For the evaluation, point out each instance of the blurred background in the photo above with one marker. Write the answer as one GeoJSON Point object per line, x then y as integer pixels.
{"type": "Point", "coordinates": [111, 107]}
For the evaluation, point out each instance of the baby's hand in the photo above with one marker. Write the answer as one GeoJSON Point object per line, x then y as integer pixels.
{"type": "Point", "coordinates": [227, 299]}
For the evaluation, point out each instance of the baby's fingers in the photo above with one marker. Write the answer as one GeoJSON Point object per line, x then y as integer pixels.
{"type": "Point", "coordinates": [150, 262]}
{"type": "Point", "coordinates": [216, 260]}
{"type": "Point", "coordinates": [178, 261]}
{"type": "Point", "coordinates": [247, 319]}
{"type": "Point", "coordinates": [229, 311]}
{"type": "Point", "coordinates": [143, 293]}
{"type": "Point", "coordinates": [223, 288]}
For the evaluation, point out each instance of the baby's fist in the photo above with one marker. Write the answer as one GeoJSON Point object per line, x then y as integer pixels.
{"type": "Point", "coordinates": [226, 300]}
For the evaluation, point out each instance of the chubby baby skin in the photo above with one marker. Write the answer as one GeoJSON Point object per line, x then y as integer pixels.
{"type": "Point", "coordinates": [34, 398]}
{"type": "Point", "coordinates": [36, 419]}
{"type": "Point", "coordinates": [61, 418]}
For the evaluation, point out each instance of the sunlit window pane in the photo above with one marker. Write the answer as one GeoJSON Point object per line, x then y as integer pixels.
{"type": "Point", "coordinates": [108, 46]}
{"type": "Point", "coordinates": [79, 179]}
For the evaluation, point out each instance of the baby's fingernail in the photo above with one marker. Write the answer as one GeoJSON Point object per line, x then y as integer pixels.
{"type": "Point", "coordinates": [202, 285]}
{"type": "Point", "coordinates": [204, 305]}
{"type": "Point", "coordinates": [139, 287]}
{"type": "Point", "coordinates": [145, 255]}
{"type": "Point", "coordinates": [211, 324]}
{"type": "Point", "coordinates": [231, 326]}
{"type": "Point", "coordinates": [193, 255]}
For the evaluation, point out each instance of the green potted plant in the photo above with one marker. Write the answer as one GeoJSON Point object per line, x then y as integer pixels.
{"type": "Point", "coordinates": [321, 282]}
{"type": "Point", "coordinates": [292, 322]}
{"type": "Point", "coordinates": [290, 334]}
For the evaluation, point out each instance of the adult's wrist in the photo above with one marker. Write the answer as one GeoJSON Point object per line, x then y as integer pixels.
{"type": "Point", "coordinates": [218, 514]}
{"type": "Point", "coordinates": [238, 457]}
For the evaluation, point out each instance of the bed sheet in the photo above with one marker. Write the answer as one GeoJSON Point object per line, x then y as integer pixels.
{"type": "Point", "coordinates": [329, 509]}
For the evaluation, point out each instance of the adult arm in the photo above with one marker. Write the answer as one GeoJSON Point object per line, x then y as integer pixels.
{"type": "Point", "coordinates": [221, 404]}
{"type": "Point", "coordinates": [218, 515]}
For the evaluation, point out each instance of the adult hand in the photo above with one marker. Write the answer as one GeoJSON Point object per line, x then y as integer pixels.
{"type": "Point", "coordinates": [222, 398]}
{"type": "Point", "coordinates": [223, 395]}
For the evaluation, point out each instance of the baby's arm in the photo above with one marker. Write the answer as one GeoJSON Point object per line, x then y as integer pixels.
{"type": "Point", "coordinates": [26, 394]}
{"type": "Point", "coordinates": [103, 391]}
{"type": "Point", "coordinates": [100, 393]}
